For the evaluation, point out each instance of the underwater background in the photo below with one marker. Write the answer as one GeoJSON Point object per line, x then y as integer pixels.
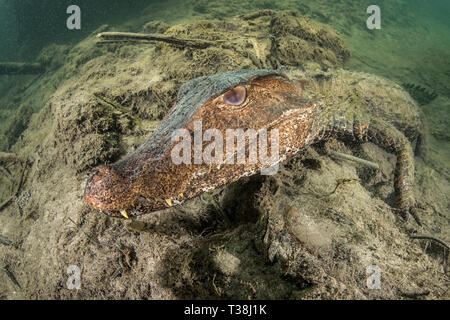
{"type": "Point", "coordinates": [412, 49]}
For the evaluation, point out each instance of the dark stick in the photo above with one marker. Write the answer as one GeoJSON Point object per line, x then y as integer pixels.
{"type": "Point", "coordinates": [5, 241]}
{"type": "Point", "coordinates": [19, 185]}
{"type": "Point", "coordinates": [423, 237]}
{"type": "Point", "coordinates": [12, 278]}
{"type": "Point", "coordinates": [15, 68]}
{"type": "Point", "coordinates": [22, 173]}
{"type": "Point", "coordinates": [6, 202]}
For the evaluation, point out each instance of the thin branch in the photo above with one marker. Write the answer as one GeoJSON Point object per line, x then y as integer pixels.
{"type": "Point", "coordinates": [415, 294]}
{"type": "Point", "coordinates": [194, 43]}
{"type": "Point", "coordinates": [6, 174]}
{"type": "Point", "coordinates": [22, 174]}
{"type": "Point", "coordinates": [424, 237]}
{"type": "Point", "coordinates": [6, 202]}
{"type": "Point", "coordinates": [5, 241]}
{"type": "Point", "coordinates": [15, 68]}
{"type": "Point", "coordinates": [11, 277]}
{"type": "Point", "coordinates": [107, 42]}
{"type": "Point", "coordinates": [19, 185]}
{"type": "Point", "coordinates": [344, 156]}
{"type": "Point", "coordinates": [10, 157]}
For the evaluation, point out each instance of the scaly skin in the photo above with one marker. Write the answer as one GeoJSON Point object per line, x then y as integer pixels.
{"type": "Point", "coordinates": [148, 179]}
{"type": "Point", "coordinates": [381, 124]}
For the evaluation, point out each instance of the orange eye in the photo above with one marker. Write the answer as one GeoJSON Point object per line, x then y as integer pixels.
{"type": "Point", "coordinates": [235, 96]}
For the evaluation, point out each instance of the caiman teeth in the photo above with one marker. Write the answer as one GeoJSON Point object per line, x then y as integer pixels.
{"type": "Point", "coordinates": [169, 202]}
{"type": "Point", "coordinates": [124, 213]}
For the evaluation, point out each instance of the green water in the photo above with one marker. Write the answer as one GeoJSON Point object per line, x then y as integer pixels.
{"type": "Point", "coordinates": [413, 44]}
{"type": "Point", "coordinates": [412, 47]}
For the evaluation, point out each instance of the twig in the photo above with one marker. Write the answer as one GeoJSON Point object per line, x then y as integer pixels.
{"type": "Point", "coordinates": [6, 202]}
{"type": "Point", "coordinates": [344, 156]}
{"type": "Point", "coordinates": [22, 174]}
{"type": "Point", "coordinates": [5, 241]}
{"type": "Point", "coordinates": [423, 237]}
{"type": "Point", "coordinates": [11, 277]}
{"type": "Point", "coordinates": [19, 185]}
{"type": "Point", "coordinates": [415, 294]}
{"type": "Point", "coordinates": [13, 157]}
{"type": "Point", "coordinates": [106, 42]}
{"type": "Point", "coordinates": [33, 81]}
{"type": "Point", "coordinates": [15, 68]}
{"type": "Point", "coordinates": [10, 157]}
{"type": "Point", "coordinates": [195, 43]}
{"type": "Point", "coordinates": [6, 174]}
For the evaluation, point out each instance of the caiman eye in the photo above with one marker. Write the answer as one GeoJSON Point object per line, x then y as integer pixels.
{"type": "Point", "coordinates": [235, 96]}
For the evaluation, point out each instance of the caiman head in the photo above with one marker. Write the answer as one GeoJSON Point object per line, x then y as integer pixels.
{"type": "Point", "coordinates": [225, 105]}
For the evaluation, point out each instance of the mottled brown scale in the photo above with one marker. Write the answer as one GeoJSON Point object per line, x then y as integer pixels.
{"type": "Point", "coordinates": [148, 179]}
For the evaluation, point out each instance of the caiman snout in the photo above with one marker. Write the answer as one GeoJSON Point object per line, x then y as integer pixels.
{"type": "Point", "coordinates": [107, 190]}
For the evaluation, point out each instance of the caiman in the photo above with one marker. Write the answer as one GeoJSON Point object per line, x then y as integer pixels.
{"type": "Point", "coordinates": [304, 109]}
